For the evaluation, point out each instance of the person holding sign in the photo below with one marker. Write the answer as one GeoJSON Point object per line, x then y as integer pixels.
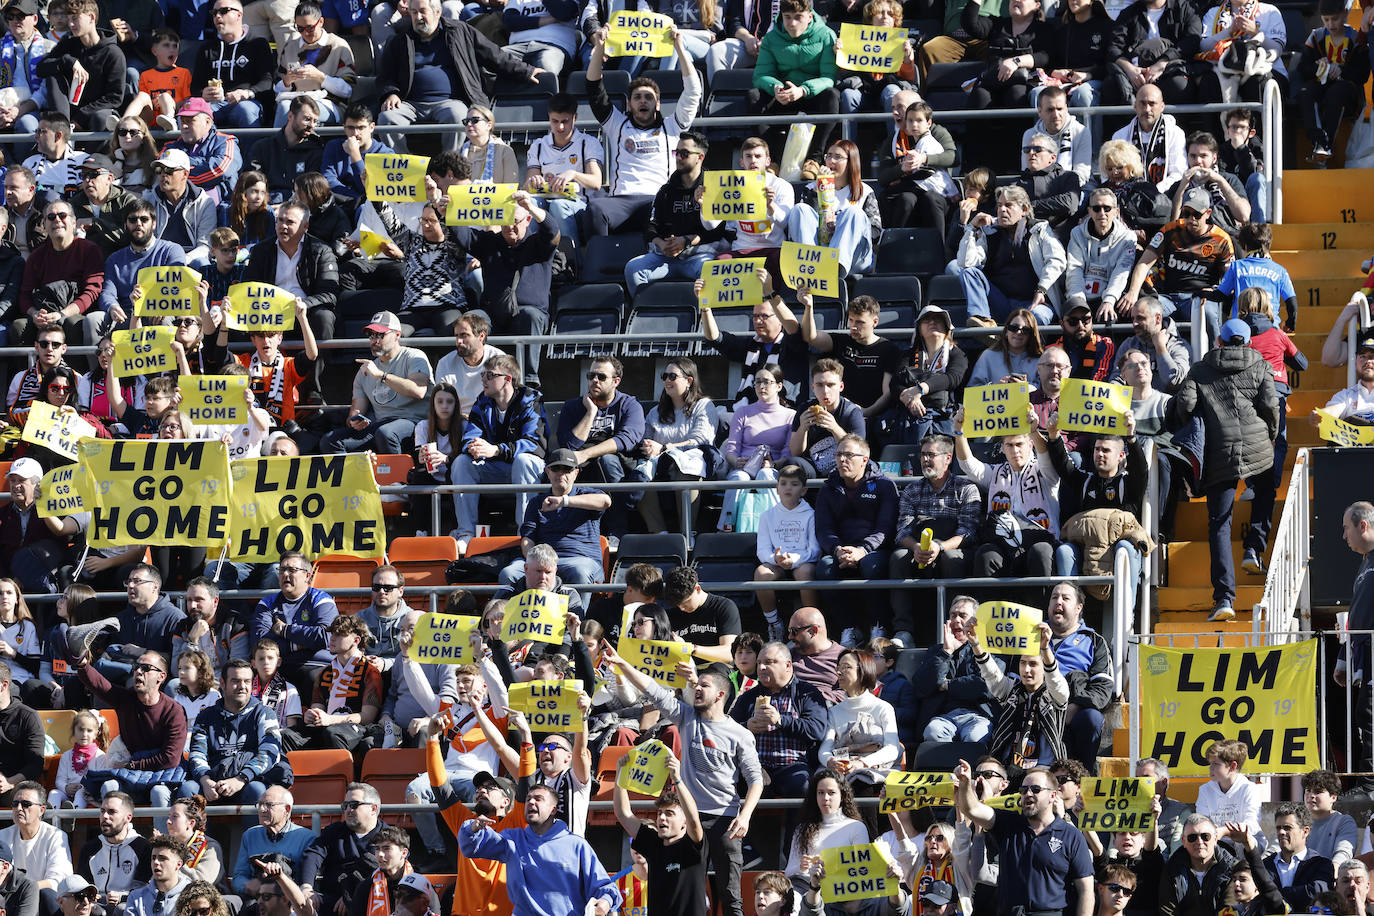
{"type": "Point", "coordinates": [875, 89]}
{"type": "Point", "coordinates": [948, 682]}
{"type": "Point", "coordinates": [59, 389]}
{"type": "Point", "coordinates": [145, 249]}
{"type": "Point", "coordinates": [829, 819]}
{"type": "Point", "coordinates": [1356, 402]}
{"type": "Point", "coordinates": [432, 297]}
{"type": "Point", "coordinates": [1030, 725]}
{"type": "Point", "coordinates": [28, 550]}
{"type": "Point", "coordinates": [850, 222]}
{"type": "Point", "coordinates": [759, 238]}
{"type": "Point", "coordinates": [992, 245]}
{"type": "Point", "coordinates": [674, 845]}
{"type": "Point", "coordinates": [565, 160]}
{"type": "Point", "coordinates": [775, 342]}
{"type": "Point", "coordinates": [679, 243]}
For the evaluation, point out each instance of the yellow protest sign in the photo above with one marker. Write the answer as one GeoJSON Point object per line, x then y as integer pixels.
{"type": "Point", "coordinates": [633, 34]}
{"type": "Point", "coordinates": [214, 399]}
{"type": "Point", "coordinates": [443, 639]}
{"type": "Point", "coordinates": [371, 243]}
{"type": "Point", "coordinates": [868, 49]}
{"type": "Point", "coordinates": [60, 492]}
{"type": "Point", "coordinates": [657, 658]}
{"type": "Point", "coordinates": [550, 706]}
{"type": "Point", "coordinates": [173, 493]}
{"type": "Point", "coordinates": [56, 430]}
{"type": "Point", "coordinates": [143, 351]}
{"type": "Point", "coordinates": [813, 267]}
{"type": "Point", "coordinates": [1338, 432]}
{"type": "Point", "coordinates": [737, 195]}
{"type": "Point", "coordinates": [857, 873]}
{"type": "Point", "coordinates": [904, 791]}
{"type": "Point", "coordinates": [997, 410]}
{"type": "Point", "coordinates": [731, 283]}
{"type": "Point", "coordinates": [260, 307]}
{"type": "Point", "coordinates": [1117, 804]}
{"type": "Point", "coordinates": [1094, 407]}
{"type": "Point", "coordinates": [316, 504]}
{"type": "Point", "coordinates": [481, 205]}
{"type": "Point", "coordinates": [1010, 802]}
{"type": "Point", "coordinates": [395, 178]}
{"type": "Point", "coordinates": [167, 292]}
{"type": "Point", "coordinates": [1266, 697]}
{"type": "Point", "coordinates": [536, 614]}
{"type": "Point", "coordinates": [646, 770]}
{"type": "Point", "coordinates": [1008, 629]}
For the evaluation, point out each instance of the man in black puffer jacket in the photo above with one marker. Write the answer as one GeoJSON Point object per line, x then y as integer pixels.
{"type": "Point", "coordinates": [1180, 892]}
{"type": "Point", "coordinates": [1232, 389]}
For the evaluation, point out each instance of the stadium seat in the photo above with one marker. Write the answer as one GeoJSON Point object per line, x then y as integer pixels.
{"type": "Point", "coordinates": [666, 548]}
{"type": "Point", "coordinates": [389, 771]}
{"type": "Point", "coordinates": [605, 784]}
{"type": "Point", "coordinates": [616, 83]}
{"type": "Point", "coordinates": [111, 720]}
{"type": "Point", "coordinates": [947, 292]}
{"type": "Point", "coordinates": [944, 756]}
{"type": "Point", "coordinates": [546, 86]}
{"type": "Point", "coordinates": [919, 252]}
{"type": "Point", "coordinates": [663, 293]}
{"type": "Point", "coordinates": [391, 470]}
{"type": "Point", "coordinates": [669, 319]}
{"type": "Point", "coordinates": [892, 292]}
{"type": "Point", "coordinates": [897, 455]}
{"type": "Point", "coordinates": [321, 778]}
{"type": "Point", "coordinates": [423, 560]}
{"type": "Point", "coordinates": [739, 322]}
{"type": "Point", "coordinates": [588, 308]}
{"type": "Point", "coordinates": [57, 725]}
{"type": "Point", "coordinates": [513, 111]}
{"type": "Point", "coordinates": [944, 84]}
{"type": "Point", "coordinates": [724, 545]}
{"type": "Point", "coordinates": [729, 98]}
{"type": "Point", "coordinates": [478, 546]}
{"type": "Point", "coordinates": [335, 571]}
{"type": "Point", "coordinates": [604, 256]}
{"type": "Point", "coordinates": [444, 887]}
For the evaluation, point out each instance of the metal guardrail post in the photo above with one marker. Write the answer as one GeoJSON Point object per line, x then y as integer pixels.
{"type": "Point", "coordinates": [1271, 122]}
{"type": "Point", "coordinates": [1199, 329]}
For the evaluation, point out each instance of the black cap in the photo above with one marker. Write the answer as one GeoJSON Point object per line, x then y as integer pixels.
{"type": "Point", "coordinates": [938, 893]}
{"type": "Point", "coordinates": [484, 779]}
{"type": "Point", "coordinates": [99, 162]}
{"type": "Point", "coordinates": [1364, 339]}
{"type": "Point", "coordinates": [27, 7]}
{"type": "Point", "coordinates": [564, 458]}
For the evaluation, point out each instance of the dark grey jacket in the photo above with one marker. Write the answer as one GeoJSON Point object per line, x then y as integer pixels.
{"type": "Point", "coordinates": [1232, 388]}
{"type": "Point", "coordinates": [471, 52]}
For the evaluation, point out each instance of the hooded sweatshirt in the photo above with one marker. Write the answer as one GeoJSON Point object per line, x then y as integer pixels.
{"type": "Point", "coordinates": [104, 63]}
{"type": "Point", "coordinates": [118, 867]}
{"type": "Point", "coordinates": [244, 64]}
{"type": "Point", "coordinates": [807, 61]}
{"type": "Point", "coordinates": [243, 745]}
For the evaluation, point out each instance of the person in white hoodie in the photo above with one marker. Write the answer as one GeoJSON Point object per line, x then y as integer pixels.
{"type": "Point", "coordinates": [862, 740]}
{"type": "Point", "coordinates": [119, 859]}
{"type": "Point", "coordinates": [41, 850]}
{"type": "Point", "coordinates": [1162, 144]}
{"type": "Point", "coordinates": [1073, 136]}
{"type": "Point", "coordinates": [1010, 261]}
{"type": "Point", "coordinates": [787, 547]}
{"type": "Point", "coordinates": [1100, 255]}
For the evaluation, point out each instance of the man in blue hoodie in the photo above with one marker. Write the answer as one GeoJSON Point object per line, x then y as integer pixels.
{"type": "Point", "coordinates": [298, 618]}
{"type": "Point", "coordinates": [145, 624]}
{"type": "Point", "coordinates": [856, 521]}
{"type": "Point", "coordinates": [235, 745]}
{"type": "Point", "coordinates": [549, 868]}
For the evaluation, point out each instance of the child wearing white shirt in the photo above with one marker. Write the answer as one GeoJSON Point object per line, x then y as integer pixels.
{"type": "Point", "coordinates": [1230, 798]}
{"type": "Point", "coordinates": [787, 546]}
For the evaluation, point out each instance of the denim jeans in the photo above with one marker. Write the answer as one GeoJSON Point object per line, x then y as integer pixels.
{"type": "Point", "coordinates": [386, 437]}
{"type": "Point", "coordinates": [525, 468]}
{"type": "Point", "coordinates": [1068, 561]}
{"type": "Point", "coordinates": [540, 54]}
{"type": "Point", "coordinates": [958, 725]}
{"type": "Point", "coordinates": [654, 265]}
{"type": "Point", "coordinates": [238, 114]}
{"type": "Point", "coordinates": [863, 608]}
{"type": "Point", "coordinates": [420, 791]}
{"type": "Point", "coordinates": [851, 236]}
{"type": "Point", "coordinates": [987, 301]}
{"type": "Point", "coordinates": [566, 217]}
{"type": "Point", "coordinates": [572, 570]}
{"type": "Point", "coordinates": [1257, 192]}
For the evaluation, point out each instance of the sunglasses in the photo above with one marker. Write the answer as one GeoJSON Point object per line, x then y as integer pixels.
{"type": "Point", "coordinates": [1190, 214]}
{"type": "Point", "coordinates": [1034, 790]}
{"type": "Point", "coordinates": [1018, 329]}
{"type": "Point", "coordinates": [138, 218]}
{"type": "Point", "coordinates": [186, 322]}
{"type": "Point", "coordinates": [672, 376]}
{"type": "Point", "coordinates": [473, 120]}
{"type": "Point", "coordinates": [147, 669]}
{"type": "Point", "coordinates": [990, 774]}
{"type": "Point", "coordinates": [793, 631]}
{"type": "Point", "coordinates": [15, 17]}
{"type": "Point", "coordinates": [352, 805]}
{"type": "Point", "coordinates": [226, 10]}
{"type": "Point", "coordinates": [1121, 889]}
{"type": "Point", "coordinates": [1035, 149]}
{"type": "Point", "coordinates": [26, 804]}
{"type": "Point", "coordinates": [85, 896]}
{"type": "Point", "coordinates": [56, 387]}
{"type": "Point", "coordinates": [205, 910]}
{"type": "Point", "coordinates": [267, 895]}
{"type": "Point", "coordinates": [552, 746]}
{"type": "Point", "coordinates": [1102, 208]}
{"type": "Point", "coordinates": [598, 377]}
{"type": "Point", "coordinates": [54, 217]}
{"type": "Point", "coordinates": [1078, 319]}
{"type": "Point", "coordinates": [1065, 779]}
{"type": "Point", "coordinates": [488, 375]}
{"type": "Point", "coordinates": [51, 344]}
{"type": "Point", "coordinates": [379, 587]}
{"type": "Point", "coordinates": [129, 132]}
{"type": "Point", "coordinates": [164, 170]}
{"type": "Point", "coordinates": [1199, 837]}
{"type": "Point", "coordinates": [684, 153]}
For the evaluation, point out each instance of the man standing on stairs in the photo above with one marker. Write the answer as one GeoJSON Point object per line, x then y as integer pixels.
{"type": "Point", "coordinates": [1232, 389]}
{"type": "Point", "coordinates": [1357, 527]}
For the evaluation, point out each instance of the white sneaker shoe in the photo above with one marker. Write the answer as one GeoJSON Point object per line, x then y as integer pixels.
{"type": "Point", "coordinates": [462, 547]}
{"type": "Point", "coordinates": [777, 632]}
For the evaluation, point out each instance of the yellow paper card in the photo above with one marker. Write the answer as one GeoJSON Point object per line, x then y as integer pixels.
{"type": "Point", "coordinates": [60, 492]}
{"type": "Point", "coordinates": [903, 791]}
{"type": "Point", "coordinates": [868, 49]}
{"type": "Point", "coordinates": [167, 292]}
{"type": "Point", "coordinates": [657, 658]}
{"type": "Point", "coordinates": [1008, 629]}
{"type": "Point", "coordinates": [536, 614]}
{"type": "Point", "coordinates": [1117, 804]}
{"type": "Point", "coordinates": [646, 770]}
{"type": "Point", "coordinates": [394, 178]}
{"type": "Point", "coordinates": [1094, 407]}
{"type": "Point", "coordinates": [1338, 432]}
{"type": "Point", "coordinates": [737, 195]}
{"type": "Point", "coordinates": [731, 283]}
{"type": "Point", "coordinates": [144, 351]}
{"type": "Point", "coordinates": [481, 205]}
{"type": "Point", "coordinates": [813, 267]}
{"type": "Point", "coordinates": [443, 639]}
{"type": "Point", "coordinates": [550, 706]}
{"type": "Point", "coordinates": [856, 873]}
{"type": "Point", "coordinates": [634, 34]}
{"type": "Point", "coordinates": [997, 410]}
{"type": "Point", "coordinates": [260, 307]}
{"type": "Point", "coordinates": [57, 431]}
{"type": "Point", "coordinates": [213, 400]}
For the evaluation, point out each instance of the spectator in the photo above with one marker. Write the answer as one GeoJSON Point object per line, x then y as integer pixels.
{"type": "Point", "coordinates": [894, 687]}
{"type": "Point", "coordinates": [1013, 356]}
{"type": "Point", "coordinates": [166, 857]}
{"type": "Point", "coordinates": [489, 158]}
{"type": "Point", "coordinates": [233, 72]}
{"type": "Point", "coordinates": [1300, 872]}
{"type": "Point", "coordinates": [758, 238]}
{"type": "Point", "coordinates": [220, 637]}
{"type": "Point", "coordinates": [1242, 154]}
{"type": "Point", "coordinates": [1257, 311]}
{"type": "Point", "coordinates": [1055, 191]}
{"type": "Point", "coordinates": [861, 742]}
{"type": "Point", "coordinates": [102, 205]}
{"type": "Point", "coordinates": [1140, 204]}
{"type": "Point", "coordinates": [1232, 390]}
{"type": "Point", "coordinates": [236, 750]}
{"type": "Point", "coordinates": [822, 421]}
{"type": "Point", "coordinates": [569, 875]}
{"type": "Point", "coordinates": [1010, 261]}
{"type": "Point", "coordinates": [829, 819]}
{"type": "Point", "coordinates": [601, 428]}
{"type": "Point", "coordinates": [275, 835]}
{"type": "Point", "coordinates": [27, 549]}
{"type": "Point", "coordinates": [1334, 835]}
{"type": "Point", "coordinates": [1022, 504]}
{"type": "Point", "coordinates": [1017, 46]}
{"type": "Point", "coordinates": [117, 854]}
{"type": "Point", "coordinates": [41, 851]}
{"type": "Point", "coordinates": [677, 869]}
{"type": "Point", "coordinates": [24, 210]}
{"type": "Point", "coordinates": [318, 64]}
{"type": "Point", "coordinates": [1259, 269]}
{"type": "Point", "coordinates": [565, 160]}
{"type": "Point", "coordinates": [788, 719]}
{"type": "Point", "coordinates": [22, 734]}
{"type": "Point", "coordinates": [1154, 134]}
{"type": "Point", "coordinates": [1116, 890]}
{"type": "Point", "coordinates": [185, 214]}
{"type": "Point", "coordinates": [29, 47]}
{"type": "Point", "coordinates": [1072, 140]}
{"type": "Point", "coordinates": [1228, 796]}
{"type": "Point", "coordinates": [1202, 854]}
{"type": "Point", "coordinates": [1352, 886]}
{"type": "Point", "coordinates": [389, 393]}
{"type": "Point", "coordinates": [869, 361]}
{"type": "Point", "coordinates": [1168, 357]}
{"type": "Point", "coordinates": [1265, 34]}
{"type": "Point", "coordinates": [298, 617]}
{"type": "Point", "coordinates": [759, 440]}
{"type": "Point", "coordinates": [709, 622]}
{"type": "Point", "coordinates": [74, 263]}
{"type": "Point", "coordinates": [76, 896]}
{"type": "Point", "coordinates": [1254, 889]}
{"type": "Point", "coordinates": [929, 373]}
{"type": "Point", "coordinates": [1169, 821]}
{"type": "Point", "coordinates": [146, 623]}
{"type": "Point", "coordinates": [1357, 401]}
{"type": "Point", "coordinates": [385, 616]}
{"type": "Point", "coordinates": [565, 766]}
{"type": "Point", "coordinates": [406, 710]}
{"type": "Point", "coordinates": [85, 71]}
{"type": "Point", "coordinates": [1085, 660]}
{"type": "Point", "coordinates": [775, 342]}
{"type": "Point", "coordinates": [566, 518]}
{"type": "Point", "coordinates": [955, 700]}
{"type": "Point", "coordinates": [677, 433]}
{"type": "Point", "coordinates": [1029, 731]}
{"type": "Point", "coordinates": [850, 224]}
{"type": "Point", "coordinates": [340, 862]}
{"type": "Point", "coordinates": [679, 242]}
{"type": "Point", "coordinates": [293, 150]}
{"type": "Point", "coordinates": [348, 697]}
{"type": "Point", "coordinates": [215, 157]}
{"type": "Point", "coordinates": [1152, 45]}
{"type": "Point", "coordinates": [394, 879]}
{"type": "Point", "coordinates": [56, 162]}
{"type": "Point", "coordinates": [466, 366]}
{"type": "Point", "coordinates": [917, 189]}
{"type": "Point", "coordinates": [1333, 69]}
{"type": "Point", "coordinates": [815, 656]}
{"type": "Point", "coordinates": [1100, 254]}
{"type": "Point", "coordinates": [144, 249]}
{"type": "Point", "coordinates": [787, 547]}
{"type": "Point", "coordinates": [342, 161]}
{"type": "Point", "coordinates": [795, 72]}
{"type": "Point", "coordinates": [856, 519]}
{"type": "Point", "coordinates": [638, 141]}
{"type": "Point", "coordinates": [1230, 207]}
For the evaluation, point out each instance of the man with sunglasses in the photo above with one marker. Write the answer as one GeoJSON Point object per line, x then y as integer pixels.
{"type": "Point", "coordinates": [41, 850]}
{"type": "Point", "coordinates": [76, 896]}
{"type": "Point", "coordinates": [185, 213]}
{"type": "Point", "coordinates": [102, 205]}
{"type": "Point", "coordinates": [152, 724]}
{"type": "Point", "coordinates": [1101, 252]}
{"type": "Point", "coordinates": [385, 616]}
{"type": "Point", "coordinates": [1197, 877]}
{"type": "Point", "coordinates": [1054, 190]}
{"type": "Point", "coordinates": [342, 859]}
{"type": "Point", "coordinates": [1040, 854]}
{"type": "Point", "coordinates": [61, 257]}
{"type": "Point", "coordinates": [390, 393]}
{"type": "Point", "coordinates": [600, 428]}
{"type": "Point", "coordinates": [48, 351]}
{"type": "Point", "coordinates": [144, 249]}
{"type": "Point", "coordinates": [233, 71]}
{"type": "Point", "coordinates": [678, 242]}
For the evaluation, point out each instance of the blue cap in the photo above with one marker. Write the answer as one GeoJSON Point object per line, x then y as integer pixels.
{"type": "Point", "coordinates": [1235, 331]}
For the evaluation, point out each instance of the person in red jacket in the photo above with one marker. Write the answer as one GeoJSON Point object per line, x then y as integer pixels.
{"type": "Point", "coordinates": [62, 256]}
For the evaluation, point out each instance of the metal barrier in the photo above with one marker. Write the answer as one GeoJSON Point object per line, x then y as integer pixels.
{"type": "Point", "coordinates": [1352, 332]}
{"type": "Point", "coordinates": [1284, 605]}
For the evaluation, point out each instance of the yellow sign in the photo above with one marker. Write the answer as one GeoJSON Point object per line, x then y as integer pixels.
{"type": "Point", "coordinates": [60, 492]}
{"type": "Point", "coordinates": [394, 178]}
{"type": "Point", "coordinates": [1094, 407]}
{"type": "Point", "coordinates": [904, 791]}
{"type": "Point", "coordinates": [56, 430]}
{"type": "Point", "coordinates": [536, 614]}
{"type": "Point", "coordinates": [318, 504]}
{"type": "Point", "coordinates": [1117, 804]}
{"type": "Point", "coordinates": [868, 49]}
{"type": "Point", "coordinates": [481, 205]}
{"type": "Point", "coordinates": [214, 399]}
{"type": "Point", "coordinates": [737, 195]}
{"type": "Point", "coordinates": [1338, 432]}
{"type": "Point", "coordinates": [1265, 697]}
{"type": "Point", "coordinates": [173, 493]}
{"type": "Point", "coordinates": [167, 292]}
{"type": "Point", "coordinates": [443, 639]}
{"type": "Point", "coordinates": [143, 351]}
{"type": "Point", "coordinates": [731, 283]}
{"type": "Point", "coordinates": [657, 658]}
{"type": "Point", "coordinates": [550, 706]}
{"type": "Point", "coordinates": [1008, 629]}
{"type": "Point", "coordinates": [857, 873]}
{"type": "Point", "coordinates": [1004, 802]}
{"type": "Point", "coordinates": [639, 35]}
{"type": "Point", "coordinates": [813, 267]}
{"type": "Point", "coordinates": [997, 410]}
{"type": "Point", "coordinates": [646, 770]}
{"type": "Point", "coordinates": [371, 243]}
{"type": "Point", "coordinates": [260, 307]}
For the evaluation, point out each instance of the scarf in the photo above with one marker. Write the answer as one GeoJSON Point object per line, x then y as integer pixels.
{"type": "Point", "coordinates": [29, 384]}
{"type": "Point", "coordinates": [82, 755]}
{"type": "Point", "coordinates": [340, 680]}
{"type": "Point", "coordinates": [379, 894]}
{"type": "Point", "coordinates": [489, 167]}
{"type": "Point", "coordinates": [273, 694]}
{"type": "Point", "coordinates": [1151, 149]}
{"type": "Point", "coordinates": [938, 363]}
{"type": "Point", "coordinates": [1225, 19]}
{"type": "Point", "coordinates": [196, 845]}
{"type": "Point", "coordinates": [8, 65]}
{"type": "Point", "coordinates": [276, 387]}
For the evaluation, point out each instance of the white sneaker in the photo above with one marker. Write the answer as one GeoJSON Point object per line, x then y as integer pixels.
{"type": "Point", "coordinates": [612, 543]}
{"type": "Point", "coordinates": [777, 632]}
{"type": "Point", "coordinates": [849, 638]}
{"type": "Point", "coordinates": [1223, 611]}
{"type": "Point", "coordinates": [462, 547]}
{"type": "Point", "coordinates": [904, 639]}
{"type": "Point", "coordinates": [877, 633]}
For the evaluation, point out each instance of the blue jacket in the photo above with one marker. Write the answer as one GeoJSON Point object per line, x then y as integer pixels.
{"type": "Point", "coordinates": [863, 517]}
{"type": "Point", "coordinates": [215, 161]}
{"type": "Point", "coordinates": [152, 630]}
{"type": "Point", "coordinates": [958, 674]}
{"type": "Point", "coordinates": [627, 423]}
{"type": "Point", "coordinates": [244, 745]}
{"type": "Point", "coordinates": [345, 176]}
{"type": "Point", "coordinates": [306, 636]}
{"type": "Point", "coordinates": [553, 873]}
{"type": "Point", "coordinates": [896, 690]}
{"type": "Point", "coordinates": [291, 843]}
{"type": "Point", "coordinates": [524, 428]}
{"type": "Point", "coordinates": [122, 267]}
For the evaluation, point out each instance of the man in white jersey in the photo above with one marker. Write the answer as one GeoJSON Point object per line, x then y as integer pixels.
{"type": "Point", "coordinates": [640, 143]}
{"type": "Point", "coordinates": [761, 238]}
{"type": "Point", "coordinates": [565, 160]}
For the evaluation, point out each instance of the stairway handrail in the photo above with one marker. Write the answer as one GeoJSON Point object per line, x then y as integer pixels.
{"type": "Point", "coordinates": [1271, 122]}
{"type": "Point", "coordinates": [1285, 601]}
{"type": "Point", "coordinates": [1198, 330]}
{"type": "Point", "coordinates": [1352, 332]}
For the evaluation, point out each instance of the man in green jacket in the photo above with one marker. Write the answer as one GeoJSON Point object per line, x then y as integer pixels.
{"type": "Point", "coordinates": [795, 74]}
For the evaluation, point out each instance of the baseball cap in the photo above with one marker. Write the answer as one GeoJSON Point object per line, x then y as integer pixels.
{"type": "Point", "coordinates": [938, 893]}
{"type": "Point", "coordinates": [98, 162]}
{"type": "Point", "coordinates": [1197, 199]}
{"type": "Point", "coordinates": [6, 853]}
{"type": "Point", "coordinates": [1364, 339]}
{"type": "Point", "coordinates": [194, 106]}
{"type": "Point", "coordinates": [1235, 331]}
{"type": "Point", "coordinates": [416, 883]}
{"type": "Point", "coordinates": [934, 311]}
{"type": "Point", "coordinates": [73, 884]}
{"type": "Point", "coordinates": [174, 159]}
{"type": "Point", "coordinates": [562, 458]}
{"type": "Point", "coordinates": [383, 322]}
{"type": "Point", "coordinates": [26, 468]}
{"type": "Point", "coordinates": [485, 779]}
{"type": "Point", "coordinates": [27, 7]}
{"type": "Point", "coordinates": [1077, 305]}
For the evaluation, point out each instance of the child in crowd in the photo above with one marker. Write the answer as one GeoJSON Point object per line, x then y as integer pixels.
{"type": "Point", "coordinates": [1334, 835]}
{"type": "Point", "coordinates": [787, 545]}
{"type": "Point", "coordinates": [157, 400]}
{"type": "Point", "coordinates": [224, 249]}
{"type": "Point", "coordinates": [894, 687]}
{"type": "Point", "coordinates": [57, 20]}
{"type": "Point", "coordinates": [197, 688]}
{"type": "Point", "coordinates": [275, 691]}
{"type": "Point", "coordinates": [745, 655]}
{"type": "Point", "coordinates": [1333, 66]}
{"type": "Point", "coordinates": [90, 740]}
{"type": "Point", "coordinates": [163, 87]}
{"type": "Point", "coordinates": [920, 195]}
{"type": "Point", "coordinates": [20, 647]}
{"type": "Point", "coordinates": [1243, 156]}
{"type": "Point", "coordinates": [1228, 797]}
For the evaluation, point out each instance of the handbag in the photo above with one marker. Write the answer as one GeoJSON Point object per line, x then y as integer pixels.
{"type": "Point", "coordinates": [1359, 151]}
{"type": "Point", "coordinates": [750, 506]}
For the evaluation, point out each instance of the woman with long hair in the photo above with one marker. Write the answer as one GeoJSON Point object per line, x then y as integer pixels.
{"type": "Point", "coordinates": [489, 157]}
{"type": "Point", "coordinates": [57, 686]}
{"type": "Point", "coordinates": [676, 435]}
{"type": "Point", "coordinates": [59, 387]}
{"type": "Point", "coordinates": [131, 389]}
{"type": "Point", "coordinates": [439, 433]}
{"type": "Point", "coordinates": [19, 644]}
{"type": "Point", "coordinates": [328, 221]}
{"type": "Point", "coordinates": [862, 741]}
{"type": "Point", "coordinates": [1013, 356]}
{"type": "Point", "coordinates": [932, 371]}
{"type": "Point", "coordinates": [829, 818]}
{"type": "Point", "coordinates": [851, 224]}
{"type": "Point", "coordinates": [132, 149]}
{"type": "Point", "coordinates": [247, 211]}
{"type": "Point", "coordinates": [187, 824]}
{"type": "Point", "coordinates": [759, 436]}
{"type": "Point", "coordinates": [199, 898]}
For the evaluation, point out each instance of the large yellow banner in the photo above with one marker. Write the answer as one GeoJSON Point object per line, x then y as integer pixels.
{"type": "Point", "coordinates": [443, 639]}
{"type": "Point", "coordinates": [167, 292]}
{"type": "Point", "coordinates": [737, 195]}
{"type": "Point", "coordinates": [57, 430]}
{"type": "Point", "coordinates": [1002, 409]}
{"type": "Point", "coordinates": [1094, 407]}
{"type": "Point", "coordinates": [143, 351]}
{"type": "Point", "coordinates": [481, 205]}
{"type": "Point", "coordinates": [394, 178]}
{"type": "Point", "coordinates": [634, 34]}
{"type": "Point", "coordinates": [1266, 697]}
{"type": "Point", "coordinates": [868, 49]}
{"type": "Point", "coordinates": [813, 267]}
{"type": "Point", "coordinates": [317, 504]}
{"type": "Point", "coordinates": [260, 307]}
{"type": "Point", "coordinates": [731, 283]}
{"type": "Point", "coordinates": [173, 493]}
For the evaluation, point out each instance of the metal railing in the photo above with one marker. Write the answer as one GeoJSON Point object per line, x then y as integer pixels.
{"type": "Point", "coordinates": [1284, 605]}
{"type": "Point", "coordinates": [1352, 333]}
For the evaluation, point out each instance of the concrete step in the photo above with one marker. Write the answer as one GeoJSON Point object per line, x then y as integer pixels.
{"type": "Point", "coordinates": [1190, 524]}
{"type": "Point", "coordinates": [1199, 598]}
{"type": "Point", "coordinates": [1323, 236]}
{"type": "Point", "coordinates": [1190, 563]}
{"type": "Point", "coordinates": [1323, 264]}
{"type": "Point", "coordinates": [1319, 294]}
{"type": "Point", "coordinates": [1328, 195]}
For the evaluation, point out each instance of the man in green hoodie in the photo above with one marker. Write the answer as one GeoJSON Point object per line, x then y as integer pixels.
{"type": "Point", "coordinates": [795, 74]}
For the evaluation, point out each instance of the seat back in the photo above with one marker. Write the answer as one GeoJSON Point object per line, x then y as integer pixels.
{"type": "Point", "coordinates": [725, 545]}
{"type": "Point", "coordinates": [57, 725]}
{"type": "Point", "coordinates": [675, 319]}
{"type": "Point", "coordinates": [604, 256]}
{"type": "Point", "coordinates": [389, 771]}
{"type": "Point", "coordinates": [321, 778]}
{"type": "Point", "coordinates": [337, 570]}
{"type": "Point", "coordinates": [915, 251]}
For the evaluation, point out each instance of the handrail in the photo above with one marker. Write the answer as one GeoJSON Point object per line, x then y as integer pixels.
{"type": "Point", "coordinates": [1198, 329]}
{"type": "Point", "coordinates": [1271, 122]}
{"type": "Point", "coordinates": [1286, 584]}
{"type": "Point", "coordinates": [1151, 522]}
{"type": "Point", "coordinates": [1121, 615]}
{"type": "Point", "coordinates": [1352, 333]}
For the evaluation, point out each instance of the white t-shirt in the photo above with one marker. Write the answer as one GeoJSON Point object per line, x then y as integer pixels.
{"type": "Point", "coordinates": [467, 379]}
{"type": "Point", "coordinates": [553, 160]}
